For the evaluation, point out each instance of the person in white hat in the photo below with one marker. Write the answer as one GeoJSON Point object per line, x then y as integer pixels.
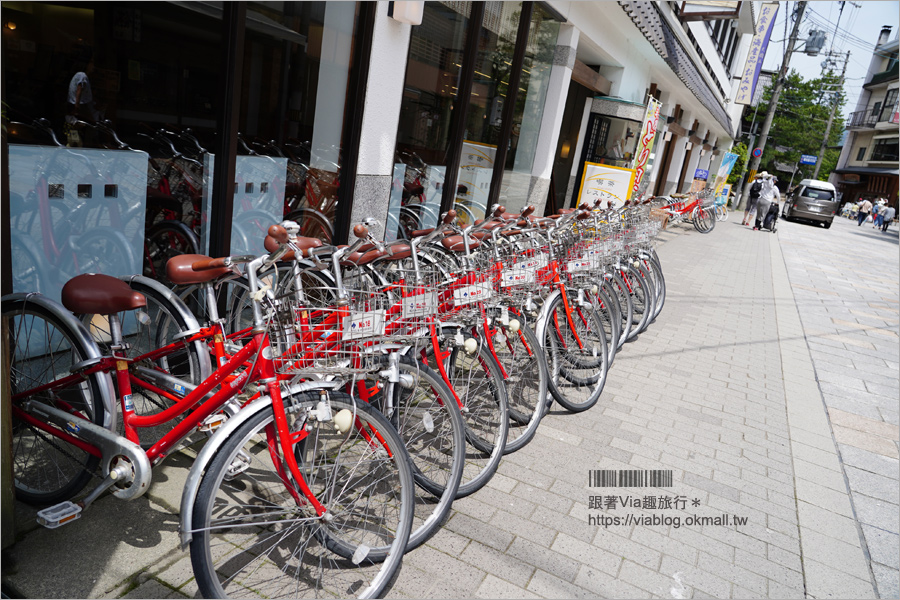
{"type": "Point", "coordinates": [767, 196]}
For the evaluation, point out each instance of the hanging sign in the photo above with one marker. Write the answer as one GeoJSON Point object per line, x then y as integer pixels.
{"type": "Point", "coordinates": [645, 142]}
{"type": "Point", "coordinates": [757, 53]}
{"type": "Point", "coordinates": [605, 182]}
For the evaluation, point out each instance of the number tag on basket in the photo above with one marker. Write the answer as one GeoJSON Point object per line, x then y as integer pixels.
{"type": "Point", "coordinates": [535, 262]}
{"type": "Point", "coordinates": [582, 264]}
{"type": "Point", "coordinates": [472, 293]}
{"type": "Point", "coordinates": [420, 305]}
{"type": "Point", "coordinates": [518, 274]}
{"type": "Point", "coordinates": [364, 324]}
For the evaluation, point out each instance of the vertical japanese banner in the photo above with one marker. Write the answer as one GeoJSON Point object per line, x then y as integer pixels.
{"type": "Point", "coordinates": [725, 170]}
{"type": "Point", "coordinates": [645, 143]}
{"type": "Point", "coordinates": [757, 53]}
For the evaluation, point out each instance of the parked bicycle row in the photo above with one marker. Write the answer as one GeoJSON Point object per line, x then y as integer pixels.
{"type": "Point", "coordinates": [349, 394]}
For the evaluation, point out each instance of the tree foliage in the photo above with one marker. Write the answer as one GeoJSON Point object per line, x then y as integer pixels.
{"type": "Point", "coordinates": [740, 164]}
{"type": "Point", "coordinates": [799, 125]}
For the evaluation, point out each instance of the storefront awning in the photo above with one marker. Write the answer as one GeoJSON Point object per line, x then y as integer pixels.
{"type": "Point", "coordinates": [658, 32]}
{"type": "Point", "coordinates": [868, 171]}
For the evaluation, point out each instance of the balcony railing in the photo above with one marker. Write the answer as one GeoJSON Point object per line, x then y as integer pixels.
{"type": "Point", "coordinates": [870, 117]}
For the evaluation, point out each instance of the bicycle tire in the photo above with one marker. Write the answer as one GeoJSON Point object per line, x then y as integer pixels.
{"type": "Point", "coordinates": [642, 295]}
{"type": "Point", "coordinates": [527, 377]}
{"type": "Point", "coordinates": [626, 306]}
{"type": "Point", "coordinates": [660, 281]}
{"type": "Point", "coordinates": [478, 384]}
{"type": "Point", "coordinates": [43, 344]}
{"type": "Point", "coordinates": [577, 375]}
{"type": "Point", "coordinates": [368, 491]}
{"type": "Point", "coordinates": [703, 219]}
{"type": "Point", "coordinates": [610, 321]}
{"type": "Point", "coordinates": [428, 420]}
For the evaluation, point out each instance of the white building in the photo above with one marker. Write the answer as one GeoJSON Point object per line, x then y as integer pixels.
{"type": "Point", "coordinates": [867, 167]}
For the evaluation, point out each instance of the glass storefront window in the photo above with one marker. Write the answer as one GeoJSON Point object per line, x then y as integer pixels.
{"type": "Point", "coordinates": [98, 96]}
{"type": "Point", "coordinates": [490, 90]}
{"type": "Point", "coordinates": [423, 136]}
{"type": "Point", "coordinates": [111, 112]}
{"type": "Point", "coordinates": [533, 83]}
{"type": "Point", "coordinates": [612, 141]}
{"type": "Point", "coordinates": [293, 111]}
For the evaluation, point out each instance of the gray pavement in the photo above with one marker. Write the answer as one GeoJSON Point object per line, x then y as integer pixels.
{"type": "Point", "coordinates": [768, 386]}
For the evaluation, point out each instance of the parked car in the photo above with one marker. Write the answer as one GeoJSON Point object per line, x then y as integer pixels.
{"type": "Point", "coordinates": [812, 200]}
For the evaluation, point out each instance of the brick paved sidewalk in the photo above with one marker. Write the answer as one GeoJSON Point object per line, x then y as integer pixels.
{"type": "Point", "coordinates": [704, 392]}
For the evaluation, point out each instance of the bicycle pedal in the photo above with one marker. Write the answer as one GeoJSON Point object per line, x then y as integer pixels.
{"type": "Point", "coordinates": [59, 514]}
{"type": "Point", "coordinates": [240, 464]}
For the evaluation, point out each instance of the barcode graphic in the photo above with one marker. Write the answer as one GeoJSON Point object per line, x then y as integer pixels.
{"type": "Point", "coordinates": [630, 478]}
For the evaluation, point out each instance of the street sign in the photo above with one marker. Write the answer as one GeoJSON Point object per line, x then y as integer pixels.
{"type": "Point", "coordinates": [701, 174]}
{"type": "Point", "coordinates": [808, 159]}
{"type": "Point", "coordinates": [757, 152]}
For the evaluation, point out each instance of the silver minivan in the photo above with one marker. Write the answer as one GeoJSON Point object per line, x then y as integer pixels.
{"type": "Point", "coordinates": [812, 200]}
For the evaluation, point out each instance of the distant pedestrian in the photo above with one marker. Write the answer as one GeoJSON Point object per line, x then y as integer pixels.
{"type": "Point", "coordinates": [767, 196]}
{"type": "Point", "coordinates": [864, 209]}
{"type": "Point", "coordinates": [755, 189]}
{"type": "Point", "coordinates": [878, 213]}
{"type": "Point", "coordinates": [887, 217]}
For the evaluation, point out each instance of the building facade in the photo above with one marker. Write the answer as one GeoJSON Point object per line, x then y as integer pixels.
{"type": "Point", "coordinates": [867, 167]}
{"type": "Point", "coordinates": [139, 130]}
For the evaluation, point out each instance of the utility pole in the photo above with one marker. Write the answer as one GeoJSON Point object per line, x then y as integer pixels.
{"type": "Point", "coordinates": [776, 93]}
{"type": "Point", "coordinates": [834, 105]}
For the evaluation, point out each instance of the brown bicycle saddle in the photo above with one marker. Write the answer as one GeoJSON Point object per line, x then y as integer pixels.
{"type": "Point", "coordinates": [94, 293]}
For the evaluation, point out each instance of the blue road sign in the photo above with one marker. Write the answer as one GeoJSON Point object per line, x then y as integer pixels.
{"type": "Point", "coordinates": [808, 159]}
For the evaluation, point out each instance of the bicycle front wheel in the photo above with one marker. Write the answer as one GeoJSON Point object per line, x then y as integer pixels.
{"type": "Point", "coordinates": [576, 353]}
{"type": "Point", "coordinates": [256, 535]}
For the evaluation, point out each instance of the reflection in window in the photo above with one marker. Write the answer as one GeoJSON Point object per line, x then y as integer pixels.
{"type": "Point", "coordinates": [293, 109]}
{"type": "Point", "coordinates": [490, 89]}
{"type": "Point", "coordinates": [423, 135]}
{"type": "Point", "coordinates": [533, 84]}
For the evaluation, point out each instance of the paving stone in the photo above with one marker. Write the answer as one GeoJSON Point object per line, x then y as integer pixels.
{"type": "Point", "coordinates": [875, 486]}
{"type": "Point", "coordinates": [884, 546]}
{"type": "Point", "coordinates": [604, 585]}
{"type": "Point", "coordinates": [887, 580]}
{"type": "Point", "coordinates": [869, 461]}
{"type": "Point", "coordinates": [546, 585]}
{"type": "Point", "coordinates": [494, 587]}
{"type": "Point", "coordinates": [824, 582]}
{"type": "Point", "coordinates": [839, 555]}
{"type": "Point", "coordinates": [879, 513]}
{"type": "Point", "coordinates": [496, 562]}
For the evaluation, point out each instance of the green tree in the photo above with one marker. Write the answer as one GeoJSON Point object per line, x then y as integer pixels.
{"type": "Point", "coordinates": [740, 164]}
{"type": "Point", "coordinates": [799, 125]}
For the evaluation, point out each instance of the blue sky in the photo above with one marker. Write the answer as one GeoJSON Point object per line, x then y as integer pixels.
{"type": "Point", "coordinates": [859, 27]}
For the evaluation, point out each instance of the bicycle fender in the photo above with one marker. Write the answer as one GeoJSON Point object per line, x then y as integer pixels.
{"type": "Point", "coordinates": [140, 283]}
{"type": "Point", "coordinates": [108, 397]}
{"type": "Point", "coordinates": [211, 448]}
{"type": "Point", "coordinates": [544, 315]}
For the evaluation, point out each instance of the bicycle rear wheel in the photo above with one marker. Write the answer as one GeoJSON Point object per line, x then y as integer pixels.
{"type": "Point", "coordinates": [44, 343]}
{"type": "Point", "coordinates": [643, 297]}
{"type": "Point", "coordinates": [256, 535]}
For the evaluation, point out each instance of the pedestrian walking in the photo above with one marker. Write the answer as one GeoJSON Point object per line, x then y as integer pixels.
{"type": "Point", "coordinates": [878, 213]}
{"type": "Point", "coordinates": [887, 217]}
{"type": "Point", "coordinates": [864, 209]}
{"type": "Point", "coordinates": [767, 196]}
{"type": "Point", "coordinates": [755, 189]}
